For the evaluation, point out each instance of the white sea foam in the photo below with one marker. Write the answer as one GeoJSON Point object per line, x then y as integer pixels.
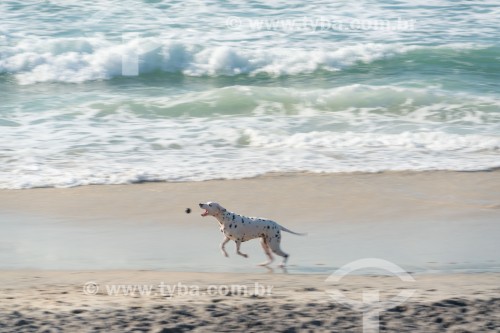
{"type": "Point", "coordinates": [92, 58]}
{"type": "Point", "coordinates": [376, 100]}
{"type": "Point", "coordinates": [285, 130]}
{"type": "Point", "coordinates": [223, 157]}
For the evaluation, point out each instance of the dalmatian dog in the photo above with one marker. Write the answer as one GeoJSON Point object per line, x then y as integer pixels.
{"type": "Point", "coordinates": [239, 228]}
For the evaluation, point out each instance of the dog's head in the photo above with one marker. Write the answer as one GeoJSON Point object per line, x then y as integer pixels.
{"type": "Point", "coordinates": [212, 208]}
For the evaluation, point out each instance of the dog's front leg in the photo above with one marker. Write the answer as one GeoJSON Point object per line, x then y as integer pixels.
{"type": "Point", "coordinates": [238, 243]}
{"type": "Point", "coordinates": [223, 246]}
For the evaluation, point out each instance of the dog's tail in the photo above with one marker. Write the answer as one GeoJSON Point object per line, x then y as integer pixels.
{"type": "Point", "coordinates": [292, 232]}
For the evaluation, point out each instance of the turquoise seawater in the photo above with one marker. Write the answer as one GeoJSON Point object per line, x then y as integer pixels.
{"type": "Point", "coordinates": [114, 92]}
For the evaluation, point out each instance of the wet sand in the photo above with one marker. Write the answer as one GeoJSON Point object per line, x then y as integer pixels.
{"type": "Point", "coordinates": [294, 198]}
{"type": "Point", "coordinates": [431, 221]}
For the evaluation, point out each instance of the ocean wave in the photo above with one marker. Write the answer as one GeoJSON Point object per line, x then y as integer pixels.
{"type": "Point", "coordinates": [240, 153]}
{"type": "Point", "coordinates": [355, 128]}
{"type": "Point", "coordinates": [91, 58]}
{"type": "Point", "coordinates": [361, 106]}
{"type": "Point", "coordinates": [423, 141]}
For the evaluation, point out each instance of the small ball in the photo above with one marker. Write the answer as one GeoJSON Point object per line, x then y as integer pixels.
{"type": "Point", "coordinates": [188, 210]}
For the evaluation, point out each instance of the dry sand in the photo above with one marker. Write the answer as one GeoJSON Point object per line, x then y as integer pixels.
{"type": "Point", "coordinates": [54, 301]}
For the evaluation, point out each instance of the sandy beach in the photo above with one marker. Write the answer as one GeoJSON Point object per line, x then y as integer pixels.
{"type": "Point", "coordinates": [425, 222]}
{"type": "Point", "coordinates": [65, 251]}
{"type": "Point", "coordinates": [294, 198]}
{"type": "Point", "coordinates": [63, 301]}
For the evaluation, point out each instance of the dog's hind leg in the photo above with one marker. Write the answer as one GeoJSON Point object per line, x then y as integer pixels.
{"type": "Point", "coordinates": [238, 243]}
{"type": "Point", "coordinates": [274, 244]}
{"type": "Point", "coordinates": [223, 246]}
{"type": "Point", "coordinates": [267, 250]}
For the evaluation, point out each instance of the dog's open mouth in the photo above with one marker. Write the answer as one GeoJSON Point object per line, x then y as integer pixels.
{"type": "Point", "coordinates": [205, 213]}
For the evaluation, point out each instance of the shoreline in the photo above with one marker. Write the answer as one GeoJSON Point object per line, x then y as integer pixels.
{"type": "Point", "coordinates": [270, 174]}
{"type": "Point", "coordinates": [408, 181]}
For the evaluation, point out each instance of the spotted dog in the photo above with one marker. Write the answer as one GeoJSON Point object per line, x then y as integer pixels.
{"type": "Point", "coordinates": [241, 229]}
